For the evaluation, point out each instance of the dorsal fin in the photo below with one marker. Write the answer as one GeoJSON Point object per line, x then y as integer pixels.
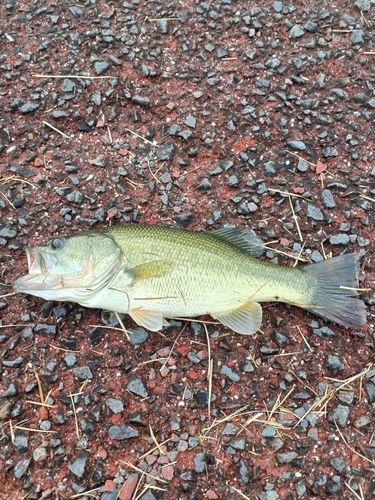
{"type": "Point", "coordinates": [246, 241]}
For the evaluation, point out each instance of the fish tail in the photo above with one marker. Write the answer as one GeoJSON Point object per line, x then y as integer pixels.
{"type": "Point", "coordinates": [334, 290]}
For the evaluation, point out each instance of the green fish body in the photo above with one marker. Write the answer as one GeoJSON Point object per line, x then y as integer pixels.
{"type": "Point", "coordinates": [157, 272]}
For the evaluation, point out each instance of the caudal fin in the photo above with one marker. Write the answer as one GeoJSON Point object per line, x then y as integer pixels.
{"type": "Point", "coordinates": [334, 291]}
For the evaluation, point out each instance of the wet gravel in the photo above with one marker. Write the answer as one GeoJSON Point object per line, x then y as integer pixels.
{"type": "Point", "coordinates": [201, 115]}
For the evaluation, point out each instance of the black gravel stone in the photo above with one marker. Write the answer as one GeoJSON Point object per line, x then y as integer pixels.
{"type": "Point", "coordinates": [101, 67]}
{"type": "Point", "coordinates": [286, 457]}
{"type": "Point", "coordinates": [21, 467]}
{"type": "Point", "coordinates": [13, 363]}
{"type": "Point", "coordinates": [141, 101]}
{"type": "Point", "coordinates": [205, 185]}
{"type": "Point", "coordinates": [338, 463]}
{"type": "Point", "coordinates": [339, 415]}
{"type": "Point", "coordinates": [297, 145]}
{"type": "Point", "coordinates": [29, 107]}
{"type": "Point", "coordinates": [137, 335]}
{"type": "Point", "coordinates": [136, 386]}
{"type": "Point", "coordinates": [166, 152]}
{"type": "Point", "coordinates": [121, 432]}
{"type": "Point", "coordinates": [370, 389]}
{"type": "Point", "coordinates": [334, 363]}
{"type": "Point", "coordinates": [183, 219]}
{"type": "Point", "coordinates": [83, 373]}
{"type": "Point", "coordinates": [78, 464]}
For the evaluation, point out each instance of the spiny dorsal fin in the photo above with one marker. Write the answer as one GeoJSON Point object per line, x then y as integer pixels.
{"type": "Point", "coordinates": [246, 241]}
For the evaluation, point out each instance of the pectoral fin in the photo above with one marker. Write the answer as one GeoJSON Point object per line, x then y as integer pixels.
{"type": "Point", "coordinates": [245, 319]}
{"type": "Point", "coordinates": [127, 277]}
{"type": "Point", "coordinates": [152, 320]}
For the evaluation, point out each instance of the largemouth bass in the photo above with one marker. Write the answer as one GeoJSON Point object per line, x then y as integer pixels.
{"type": "Point", "coordinates": [157, 272]}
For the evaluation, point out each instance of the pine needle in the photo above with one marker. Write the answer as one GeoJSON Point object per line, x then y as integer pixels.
{"type": "Point", "coordinates": [56, 130]}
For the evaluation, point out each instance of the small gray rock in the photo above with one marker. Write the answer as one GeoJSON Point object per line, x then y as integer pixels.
{"type": "Point", "coordinates": [115, 405]}
{"type": "Point", "coordinates": [277, 6]}
{"type": "Point", "coordinates": [339, 239]}
{"type": "Point", "coordinates": [297, 145]}
{"type": "Point", "coordinates": [199, 461]}
{"type": "Point", "coordinates": [314, 212]}
{"type": "Point", "coordinates": [338, 463]}
{"type": "Point", "coordinates": [137, 335]}
{"type": "Point", "coordinates": [286, 457]}
{"type": "Point", "coordinates": [190, 121]}
{"type": "Point", "coordinates": [68, 85]}
{"type": "Point", "coordinates": [370, 389]}
{"type": "Point", "coordinates": [166, 151]}
{"type": "Point", "coordinates": [244, 472]}
{"type": "Point", "coordinates": [83, 373]}
{"type": "Point", "coordinates": [238, 444]}
{"type": "Point", "coordinates": [231, 374]}
{"type": "Point", "coordinates": [334, 363]}
{"type": "Point", "coordinates": [329, 152]}
{"type": "Point", "coordinates": [327, 199]}
{"type": "Point", "coordinates": [357, 38]}
{"type": "Point", "coordinates": [121, 432]}
{"type": "Point", "coordinates": [101, 67]}
{"type": "Point", "coordinates": [8, 232]}
{"type": "Point", "coordinates": [141, 100]}
{"type": "Point", "coordinates": [296, 32]}
{"type": "Point", "coordinates": [13, 363]}
{"type": "Point", "coordinates": [70, 359]}
{"type": "Point", "coordinates": [29, 107]}
{"type": "Point", "coordinates": [21, 467]}
{"type": "Point", "coordinates": [78, 464]}
{"type": "Point", "coordinates": [339, 415]}
{"type": "Point", "coordinates": [302, 166]}
{"type": "Point", "coordinates": [75, 197]}
{"type": "Point", "coordinates": [135, 385]}
{"type": "Point", "coordinates": [300, 487]}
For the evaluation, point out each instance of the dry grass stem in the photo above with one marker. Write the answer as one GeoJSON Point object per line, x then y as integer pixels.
{"type": "Point", "coordinates": [143, 138]}
{"type": "Point", "coordinates": [240, 493]}
{"type": "Point", "coordinates": [155, 478]}
{"type": "Point", "coordinates": [367, 198]}
{"type": "Point", "coordinates": [355, 493]}
{"type": "Point", "coordinates": [351, 447]}
{"type": "Point", "coordinates": [304, 339]}
{"type": "Point", "coordinates": [297, 258]}
{"type": "Point", "coordinates": [323, 401]}
{"type": "Point", "coordinates": [39, 404]}
{"type": "Point", "coordinates": [56, 130]}
{"type": "Point", "coordinates": [83, 77]}
{"type": "Point", "coordinates": [109, 134]}
{"type": "Point", "coordinates": [287, 193]}
{"type": "Point", "coordinates": [153, 449]}
{"type": "Point", "coordinates": [295, 219]}
{"type": "Point", "coordinates": [153, 437]}
{"type": "Point", "coordinates": [75, 416]}
{"type": "Point", "coordinates": [40, 388]}
{"type": "Point", "coordinates": [62, 349]}
{"type": "Point", "coordinates": [209, 373]}
{"type": "Point", "coordinates": [122, 325]}
{"type": "Point", "coordinates": [7, 199]}
{"type": "Point", "coordinates": [89, 492]}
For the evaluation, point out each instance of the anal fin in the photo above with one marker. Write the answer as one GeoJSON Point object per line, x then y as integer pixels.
{"type": "Point", "coordinates": [152, 320]}
{"type": "Point", "coordinates": [245, 319]}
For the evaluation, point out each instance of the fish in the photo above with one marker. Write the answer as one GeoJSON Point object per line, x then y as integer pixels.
{"type": "Point", "coordinates": [153, 273]}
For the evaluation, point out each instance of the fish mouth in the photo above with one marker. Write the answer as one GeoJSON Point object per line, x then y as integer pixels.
{"type": "Point", "coordinates": [39, 277]}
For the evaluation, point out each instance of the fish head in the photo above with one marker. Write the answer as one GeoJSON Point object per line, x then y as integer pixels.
{"type": "Point", "coordinates": [66, 268]}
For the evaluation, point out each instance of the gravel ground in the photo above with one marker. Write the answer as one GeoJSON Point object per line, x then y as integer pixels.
{"type": "Point", "coordinates": [196, 114]}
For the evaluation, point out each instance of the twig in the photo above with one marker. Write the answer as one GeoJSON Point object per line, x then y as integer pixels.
{"type": "Point", "coordinates": [83, 77]}
{"type": "Point", "coordinates": [56, 130]}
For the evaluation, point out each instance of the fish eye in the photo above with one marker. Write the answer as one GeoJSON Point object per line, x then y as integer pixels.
{"type": "Point", "coordinates": [58, 243]}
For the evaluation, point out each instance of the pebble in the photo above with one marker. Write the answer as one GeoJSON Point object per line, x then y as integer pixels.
{"type": "Point", "coordinates": [199, 461]}
{"type": "Point", "coordinates": [141, 101]}
{"type": "Point", "coordinates": [21, 442]}
{"type": "Point", "coordinates": [21, 467]}
{"type": "Point", "coordinates": [314, 212]}
{"type": "Point", "coordinates": [286, 457]}
{"type": "Point", "coordinates": [369, 385]}
{"type": "Point", "coordinates": [115, 405]}
{"type": "Point", "coordinates": [302, 166]}
{"type": "Point", "coordinates": [244, 472]}
{"type": "Point", "coordinates": [339, 239]}
{"type": "Point", "coordinates": [230, 373]}
{"type": "Point", "coordinates": [296, 32]}
{"type": "Point", "coordinates": [297, 145]}
{"type": "Point", "coordinates": [334, 363]}
{"type": "Point", "coordinates": [83, 373]}
{"type": "Point", "coordinates": [327, 199]}
{"type": "Point", "coordinates": [190, 121]}
{"type": "Point", "coordinates": [137, 336]}
{"type": "Point", "coordinates": [121, 432]}
{"type": "Point", "coordinates": [329, 152]}
{"type": "Point", "coordinates": [29, 107]}
{"type": "Point", "coordinates": [136, 386]}
{"type": "Point", "coordinates": [166, 152]}
{"type": "Point", "coordinates": [339, 415]}
{"type": "Point", "coordinates": [13, 363]}
{"type": "Point", "coordinates": [101, 67]}
{"type": "Point", "coordinates": [78, 464]}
